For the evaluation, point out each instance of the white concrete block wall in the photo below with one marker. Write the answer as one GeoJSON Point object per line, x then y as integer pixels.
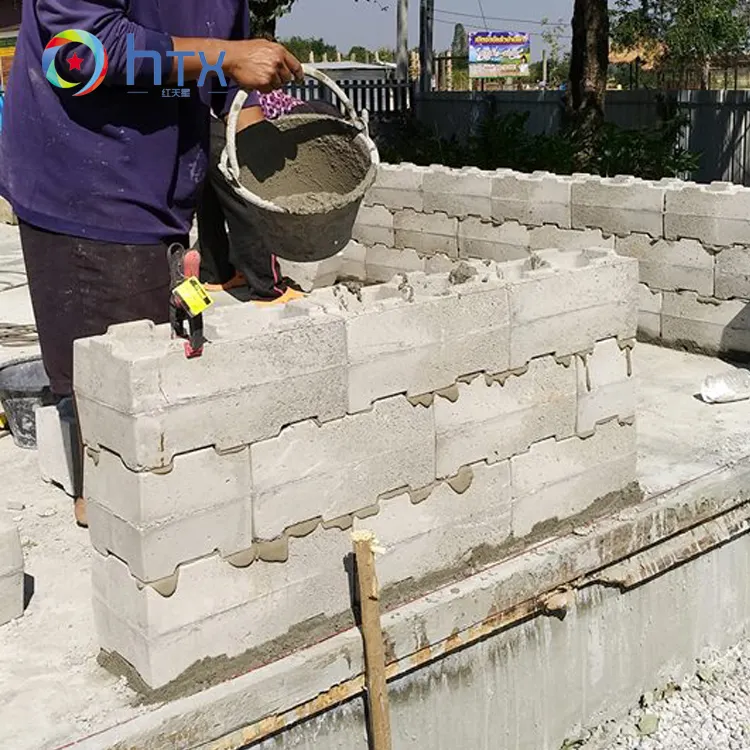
{"type": "Point", "coordinates": [11, 572]}
{"type": "Point", "coordinates": [686, 237]}
{"type": "Point", "coordinates": [419, 406]}
{"type": "Point", "coordinates": [556, 480]}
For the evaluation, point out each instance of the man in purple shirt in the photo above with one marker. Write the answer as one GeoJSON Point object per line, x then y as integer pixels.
{"type": "Point", "coordinates": [103, 183]}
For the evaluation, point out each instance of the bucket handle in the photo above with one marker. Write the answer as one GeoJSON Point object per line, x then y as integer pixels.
{"type": "Point", "coordinates": [229, 155]}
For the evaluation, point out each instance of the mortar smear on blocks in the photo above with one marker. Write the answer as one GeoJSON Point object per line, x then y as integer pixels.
{"type": "Point", "coordinates": [470, 411]}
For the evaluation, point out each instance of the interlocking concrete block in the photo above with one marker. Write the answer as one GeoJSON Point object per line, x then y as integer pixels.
{"type": "Point", "coordinates": [534, 199]}
{"type": "Point", "coordinates": [493, 421]}
{"type": "Point", "coordinates": [139, 396]}
{"type": "Point", "coordinates": [542, 238]}
{"type": "Point", "coordinates": [618, 205]}
{"type": "Point", "coordinates": [733, 273]}
{"type": "Point", "coordinates": [383, 263]}
{"type": "Point", "coordinates": [398, 186]}
{"type": "Point", "coordinates": [670, 265]}
{"type": "Point", "coordinates": [6, 213]}
{"type": "Point", "coordinates": [426, 233]}
{"type": "Point", "coordinates": [649, 312]}
{"type": "Point", "coordinates": [11, 572]}
{"type": "Point", "coordinates": [218, 610]}
{"type": "Point", "coordinates": [439, 534]}
{"type": "Point", "coordinates": [58, 447]}
{"type": "Point", "coordinates": [349, 263]}
{"type": "Point", "coordinates": [564, 302]}
{"type": "Point", "coordinates": [606, 386]}
{"type": "Point", "coordinates": [716, 214]}
{"type": "Point", "coordinates": [155, 521]}
{"type": "Point", "coordinates": [333, 470]}
{"type": "Point", "coordinates": [711, 326]}
{"type": "Point", "coordinates": [420, 335]}
{"type": "Point", "coordinates": [483, 239]}
{"type": "Point", "coordinates": [458, 192]}
{"type": "Point", "coordinates": [374, 226]}
{"type": "Point", "coordinates": [557, 480]}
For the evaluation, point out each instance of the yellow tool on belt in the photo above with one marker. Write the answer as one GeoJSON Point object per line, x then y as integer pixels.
{"type": "Point", "coordinates": [188, 300]}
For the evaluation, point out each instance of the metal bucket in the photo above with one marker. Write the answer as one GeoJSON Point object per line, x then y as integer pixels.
{"type": "Point", "coordinates": [24, 387]}
{"type": "Point", "coordinates": [303, 177]}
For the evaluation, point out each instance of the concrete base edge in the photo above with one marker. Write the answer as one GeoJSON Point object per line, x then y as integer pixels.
{"type": "Point", "coordinates": [587, 574]}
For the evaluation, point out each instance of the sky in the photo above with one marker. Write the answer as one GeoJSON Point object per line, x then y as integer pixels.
{"type": "Point", "coordinates": [346, 23]}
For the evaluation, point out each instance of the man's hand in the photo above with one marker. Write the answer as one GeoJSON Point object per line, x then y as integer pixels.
{"type": "Point", "coordinates": [262, 66]}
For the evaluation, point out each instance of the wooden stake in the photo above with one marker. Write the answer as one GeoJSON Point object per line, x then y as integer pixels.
{"type": "Point", "coordinates": [372, 635]}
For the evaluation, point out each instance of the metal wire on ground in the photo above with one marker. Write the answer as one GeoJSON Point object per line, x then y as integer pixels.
{"type": "Point", "coordinates": [18, 335]}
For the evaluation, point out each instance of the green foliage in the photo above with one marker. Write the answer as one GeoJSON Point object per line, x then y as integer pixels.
{"type": "Point", "coordinates": [265, 13]}
{"type": "Point", "coordinates": [359, 53]}
{"type": "Point", "coordinates": [504, 142]}
{"type": "Point", "coordinates": [301, 48]}
{"type": "Point", "coordinates": [686, 31]}
{"type": "Point", "coordinates": [460, 44]}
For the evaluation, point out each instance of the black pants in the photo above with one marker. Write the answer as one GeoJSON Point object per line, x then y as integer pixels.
{"type": "Point", "coordinates": [227, 240]}
{"type": "Point", "coordinates": [80, 287]}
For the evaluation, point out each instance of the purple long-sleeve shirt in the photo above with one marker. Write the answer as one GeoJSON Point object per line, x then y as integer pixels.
{"type": "Point", "coordinates": [111, 165]}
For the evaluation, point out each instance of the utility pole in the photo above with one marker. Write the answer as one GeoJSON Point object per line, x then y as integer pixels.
{"type": "Point", "coordinates": [426, 27]}
{"type": "Point", "coordinates": [402, 40]}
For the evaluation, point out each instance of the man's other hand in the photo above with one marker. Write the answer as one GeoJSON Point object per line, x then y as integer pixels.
{"type": "Point", "coordinates": [259, 65]}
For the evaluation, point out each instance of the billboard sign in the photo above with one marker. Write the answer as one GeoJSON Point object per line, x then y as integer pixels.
{"type": "Point", "coordinates": [499, 54]}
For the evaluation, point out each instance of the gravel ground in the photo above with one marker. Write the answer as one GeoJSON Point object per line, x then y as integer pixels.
{"type": "Point", "coordinates": [711, 710]}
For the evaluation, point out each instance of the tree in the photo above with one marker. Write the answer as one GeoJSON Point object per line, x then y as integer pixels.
{"type": "Point", "coordinates": [589, 63]}
{"type": "Point", "coordinates": [265, 13]}
{"type": "Point", "coordinates": [359, 53]}
{"type": "Point", "coordinates": [301, 48]}
{"type": "Point", "coordinates": [460, 45]}
{"type": "Point", "coordinates": [689, 33]}
{"type": "Point", "coordinates": [558, 59]}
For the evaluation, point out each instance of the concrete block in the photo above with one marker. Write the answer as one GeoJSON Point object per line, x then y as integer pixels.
{"type": "Point", "coordinates": [219, 610]}
{"type": "Point", "coordinates": [349, 263]}
{"type": "Point", "coordinates": [155, 521]}
{"type": "Point", "coordinates": [398, 186]}
{"type": "Point", "coordinates": [733, 273]}
{"type": "Point", "coordinates": [58, 447]}
{"type": "Point", "coordinates": [618, 205]}
{"type": "Point", "coordinates": [333, 470]}
{"type": "Point", "coordinates": [542, 238]}
{"type": "Point", "coordinates": [426, 233]}
{"type": "Point", "coordinates": [483, 239]}
{"type": "Point", "coordinates": [710, 325]}
{"type": "Point", "coordinates": [492, 421]}
{"type": "Point", "coordinates": [716, 214]}
{"type": "Point", "coordinates": [568, 301]}
{"type": "Point", "coordinates": [458, 192]}
{"type": "Point", "coordinates": [439, 534]}
{"type": "Point", "coordinates": [606, 386]}
{"type": "Point", "coordinates": [413, 339]}
{"type": "Point", "coordinates": [374, 226]}
{"type": "Point", "coordinates": [649, 312]}
{"type": "Point", "coordinates": [557, 480]}
{"type": "Point", "coordinates": [532, 199]}
{"type": "Point", "coordinates": [11, 572]}
{"type": "Point", "coordinates": [670, 265]}
{"type": "Point", "coordinates": [139, 397]}
{"type": "Point", "coordinates": [6, 213]}
{"type": "Point", "coordinates": [383, 263]}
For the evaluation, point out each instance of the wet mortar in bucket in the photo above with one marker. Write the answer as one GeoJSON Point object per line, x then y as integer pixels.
{"type": "Point", "coordinates": [316, 168]}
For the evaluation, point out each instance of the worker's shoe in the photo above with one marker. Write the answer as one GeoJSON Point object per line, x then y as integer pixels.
{"type": "Point", "coordinates": [79, 508]}
{"type": "Point", "coordinates": [236, 282]}
{"type": "Point", "coordinates": [289, 295]}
